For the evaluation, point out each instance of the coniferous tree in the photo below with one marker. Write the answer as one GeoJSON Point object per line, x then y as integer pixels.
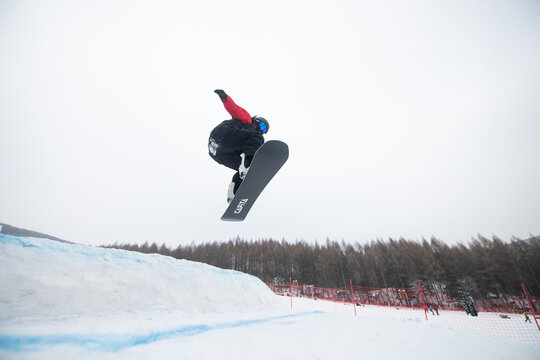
{"type": "Point", "coordinates": [483, 268]}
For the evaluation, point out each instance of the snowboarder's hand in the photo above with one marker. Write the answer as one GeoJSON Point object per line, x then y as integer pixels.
{"type": "Point", "coordinates": [221, 94]}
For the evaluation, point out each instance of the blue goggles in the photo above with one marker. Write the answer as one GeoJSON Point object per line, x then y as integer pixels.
{"type": "Point", "coordinates": [263, 127]}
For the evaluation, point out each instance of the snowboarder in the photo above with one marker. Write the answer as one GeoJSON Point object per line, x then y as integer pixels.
{"type": "Point", "coordinates": [233, 143]}
{"type": "Point", "coordinates": [527, 319]}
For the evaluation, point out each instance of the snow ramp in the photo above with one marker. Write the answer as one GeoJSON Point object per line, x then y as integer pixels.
{"type": "Point", "coordinates": [42, 280]}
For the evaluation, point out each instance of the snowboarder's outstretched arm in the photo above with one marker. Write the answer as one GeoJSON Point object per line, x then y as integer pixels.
{"type": "Point", "coordinates": [234, 110]}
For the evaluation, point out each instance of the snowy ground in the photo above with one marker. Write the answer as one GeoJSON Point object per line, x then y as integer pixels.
{"type": "Point", "coordinates": [72, 301]}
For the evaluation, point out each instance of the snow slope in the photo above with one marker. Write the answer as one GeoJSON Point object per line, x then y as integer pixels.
{"type": "Point", "coordinates": [61, 300]}
{"type": "Point", "coordinates": [53, 280]}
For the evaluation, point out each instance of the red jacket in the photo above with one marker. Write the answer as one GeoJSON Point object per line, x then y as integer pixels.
{"type": "Point", "coordinates": [236, 111]}
{"type": "Point", "coordinates": [234, 136]}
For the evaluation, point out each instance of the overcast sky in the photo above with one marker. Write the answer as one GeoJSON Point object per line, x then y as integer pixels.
{"type": "Point", "coordinates": [403, 118]}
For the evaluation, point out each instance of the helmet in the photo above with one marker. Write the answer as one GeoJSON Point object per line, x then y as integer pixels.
{"type": "Point", "coordinates": [262, 124]}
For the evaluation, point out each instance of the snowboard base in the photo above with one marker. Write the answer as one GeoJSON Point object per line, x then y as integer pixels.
{"type": "Point", "coordinates": [267, 161]}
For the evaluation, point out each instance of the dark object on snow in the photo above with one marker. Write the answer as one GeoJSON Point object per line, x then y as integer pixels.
{"type": "Point", "coordinates": [469, 307]}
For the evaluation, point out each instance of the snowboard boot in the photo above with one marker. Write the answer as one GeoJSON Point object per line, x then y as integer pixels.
{"type": "Point", "coordinates": [244, 165]}
{"type": "Point", "coordinates": [233, 187]}
{"type": "Point", "coordinates": [230, 193]}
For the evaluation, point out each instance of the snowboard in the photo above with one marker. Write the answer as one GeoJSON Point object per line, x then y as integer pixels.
{"type": "Point", "coordinates": [265, 164]}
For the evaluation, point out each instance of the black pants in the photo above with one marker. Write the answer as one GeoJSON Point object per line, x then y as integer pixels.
{"type": "Point", "coordinates": [237, 181]}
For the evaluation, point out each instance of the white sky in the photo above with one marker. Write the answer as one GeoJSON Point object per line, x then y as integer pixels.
{"type": "Point", "coordinates": [410, 119]}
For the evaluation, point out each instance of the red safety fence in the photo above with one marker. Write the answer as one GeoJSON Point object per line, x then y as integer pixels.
{"type": "Point", "coordinates": [501, 317]}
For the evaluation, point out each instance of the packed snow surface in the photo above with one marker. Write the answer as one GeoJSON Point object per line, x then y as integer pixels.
{"type": "Point", "coordinates": [61, 300]}
{"type": "Point", "coordinates": [48, 278]}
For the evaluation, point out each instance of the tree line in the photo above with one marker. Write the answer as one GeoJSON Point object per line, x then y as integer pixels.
{"type": "Point", "coordinates": [484, 268]}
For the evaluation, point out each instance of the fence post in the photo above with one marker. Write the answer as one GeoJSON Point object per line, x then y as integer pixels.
{"type": "Point", "coordinates": [530, 306]}
{"type": "Point", "coordinates": [290, 289]}
{"type": "Point", "coordinates": [422, 295]}
{"type": "Point", "coordinates": [352, 294]}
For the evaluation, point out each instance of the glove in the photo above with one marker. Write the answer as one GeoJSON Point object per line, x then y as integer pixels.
{"type": "Point", "coordinates": [221, 94]}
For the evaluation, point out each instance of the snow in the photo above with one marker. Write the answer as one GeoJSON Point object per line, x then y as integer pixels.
{"type": "Point", "coordinates": [61, 300]}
